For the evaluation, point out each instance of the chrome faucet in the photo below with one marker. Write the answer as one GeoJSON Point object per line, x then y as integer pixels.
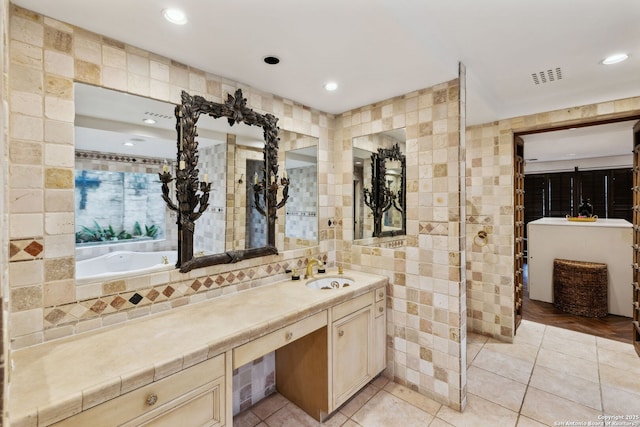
{"type": "Point", "coordinates": [165, 260]}
{"type": "Point", "coordinates": [310, 263]}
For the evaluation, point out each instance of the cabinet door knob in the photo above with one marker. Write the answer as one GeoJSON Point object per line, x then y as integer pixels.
{"type": "Point", "coordinates": [289, 335]}
{"type": "Point", "coordinates": [380, 309]}
{"type": "Point", "coordinates": [152, 399]}
{"type": "Point", "coordinates": [380, 294]}
{"type": "Point", "coordinates": [340, 333]}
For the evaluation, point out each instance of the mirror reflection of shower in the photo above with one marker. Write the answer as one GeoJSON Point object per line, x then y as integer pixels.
{"type": "Point", "coordinates": [379, 185]}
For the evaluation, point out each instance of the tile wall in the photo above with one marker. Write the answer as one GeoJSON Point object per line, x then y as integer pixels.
{"type": "Point", "coordinates": [489, 183]}
{"type": "Point", "coordinates": [209, 235]}
{"type": "Point", "coordinates": [427, 322]}
{"type": "Point", "coordinates": [46, 57]}
{"type": "Point", "coordinates": [4, 176]}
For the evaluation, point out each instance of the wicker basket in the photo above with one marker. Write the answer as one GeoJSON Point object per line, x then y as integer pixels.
{"type": "Point", "coordinates": [580, 287]}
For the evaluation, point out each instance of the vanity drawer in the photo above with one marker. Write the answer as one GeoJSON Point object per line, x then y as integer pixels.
{"type": "Point", "coordinates": [352, 305]}
{"type": "Point", "coordinates": [268, 343]}
{"type": "Point", "coordinates": [381, 293]}
{"type": "Point", "coordinates": [157, 397]}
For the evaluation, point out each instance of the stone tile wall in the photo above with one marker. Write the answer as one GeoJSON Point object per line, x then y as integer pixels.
{"type": "Point", "coordinates": [426, 327]}
{"type": "Point", "coordinates": [4, 176]}
{"type": "Point", "coordinates": [46, 57]}
{"type": "Point", "coordinates": [489, 184]}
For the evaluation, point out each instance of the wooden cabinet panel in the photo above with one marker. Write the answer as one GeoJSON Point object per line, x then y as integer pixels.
{"type": "Point", "coordinates": [352, 347]}
{"type": "Point", "coordinates": [199, 409]}
{"type": "Point", "coordinates": [159, 397]}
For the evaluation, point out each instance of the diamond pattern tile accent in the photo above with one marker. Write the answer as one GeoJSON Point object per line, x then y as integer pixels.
{"type": "Point", "coordinates": [118, 302]}
{"type": "Point", "coordinates": [26, 249]}
{"type": "Point", "coordinates": [95, 307]}
{"type": "Point", "coordinates": [135, 298]}
{"type": "Point", "coordinates": [152, 295]}
{"type": "Point", "coordinates": [55, 316]}
{"type": "Point", "coordinates": [99, 306]}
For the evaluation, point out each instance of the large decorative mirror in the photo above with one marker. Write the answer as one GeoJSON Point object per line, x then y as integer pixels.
{"type": "Point", "coordinates": [300, 160]}
{"type": "Point", "coordinates": [379, 167]}
{"type": "Point", "coordinates": [122, 141]}
{"type": "Point", "coordinates": [192, 191]}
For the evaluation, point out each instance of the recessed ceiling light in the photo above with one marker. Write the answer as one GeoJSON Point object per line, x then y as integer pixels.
{"type": "Point", "coordinates": [175, 16]}
{"type": "Point", "coordinates": [614, 59]}
{"type": "Point", "coordinates": [128, 144]}
{"type": "Point", "coordinates": [271, 60]}
{"type": "Point", "coordinates": [149, 121]}
{"type": "Point", "coordinates": [331, 86]}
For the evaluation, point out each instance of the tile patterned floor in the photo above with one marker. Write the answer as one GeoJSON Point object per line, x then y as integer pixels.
{"type": "Point", "coordinates": [547, 377]}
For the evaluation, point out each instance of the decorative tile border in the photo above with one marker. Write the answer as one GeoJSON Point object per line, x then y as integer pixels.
{"type": "Point", "coordinates": [126, 300]}
{"type": "Point", "coordinates": [26, 250]}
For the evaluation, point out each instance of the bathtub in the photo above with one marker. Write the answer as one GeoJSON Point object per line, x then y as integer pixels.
{"type": "Point", "coordinates": [120, 264]}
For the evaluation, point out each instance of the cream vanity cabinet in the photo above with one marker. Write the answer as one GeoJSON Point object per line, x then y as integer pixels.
{"type": "Point", "coordinates": [322, 370]}
{"type": "Point", "coordinates": [192, 397]}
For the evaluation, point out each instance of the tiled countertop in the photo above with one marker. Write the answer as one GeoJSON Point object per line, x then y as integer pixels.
{"type": "Point", "coordinates": [57, 379]}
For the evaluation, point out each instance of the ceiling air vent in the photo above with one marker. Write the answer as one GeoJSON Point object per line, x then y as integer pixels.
{"type": "Point", "coordinates": [547, 76]}
{"type": "Point", "coordinates": [158, 115]}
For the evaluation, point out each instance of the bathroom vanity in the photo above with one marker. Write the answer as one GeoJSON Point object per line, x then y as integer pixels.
{"type": "Point", "coordinates": [175, 368]}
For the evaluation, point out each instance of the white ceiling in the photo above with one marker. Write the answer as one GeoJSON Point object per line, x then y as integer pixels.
{"type": "Point", "coordinates": [608, 140]}
{"type": "Point", "coordinates": [377, 49]}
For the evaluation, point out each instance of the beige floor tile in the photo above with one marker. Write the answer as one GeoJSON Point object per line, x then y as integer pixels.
{"type": "Point", "coordinates": [502, 364]}
{"type": "Point", "coordinates": [472, 352]}
{"type": "Point", "coordinates": [572, 348]}
{"type": "Point", "coordinates": [495, 388]}
{"type": "Point", "coordinates": [619, 402]}
{"type": "Point", "coordinates": [549, 409]}
{"type": "Point", "coordinates": [521, 351]}
{"type": "Point", "coordinates": [473, 338]}
{"type": "Point", "coordinates": [291, 416]}
{"type": "Point", "coordinates": [570, 387]}
{"type": "Point", "coordinates": [437, 422]}
{"type": "Point", "coordinates": [385, 410]}
{"type": "Point", "coordinates": [246, 419]}
{"type": "Point", "coordinates": [629, 361]}
{"type": "Point", "coordinates": [336, 420]}
{"type": "Point", "coordinates": [583, 368]}
{"type": "Point", "coordinates": [479, 412]}
{"type": "Point", "coordinates": [529, 333]}
{"type": "Point", "coordinates": [619, 378]}
{"type": "Point", "coordinates": [613, 345]}
{"type": "Point", "coordinates": [269, 405]}
{"type": "Point", "coordinates": [380, 381]}
{"type": "Point", "coordinates": [528, 422]}
{"type": "Point", "coordinates": [567, 334]}
{"type": "Point", "coordinates": [416, 399]}
{"type": "Point", "coordinates": [351, 423]}
{"type": "Point", "coordinates": [356, 402]}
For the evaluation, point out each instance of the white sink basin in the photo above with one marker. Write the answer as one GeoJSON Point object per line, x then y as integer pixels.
{"type": "Point", "coordinates": [329, 283]}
